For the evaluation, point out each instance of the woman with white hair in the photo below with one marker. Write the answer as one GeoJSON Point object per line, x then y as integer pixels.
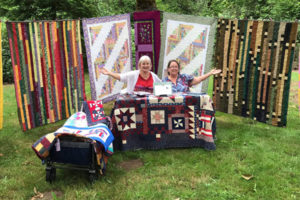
{"type": "Point", "coordinates": [138, 80]}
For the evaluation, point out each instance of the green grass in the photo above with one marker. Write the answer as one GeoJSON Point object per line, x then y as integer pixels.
{"type": "Point", "coordinates": [270, 154]}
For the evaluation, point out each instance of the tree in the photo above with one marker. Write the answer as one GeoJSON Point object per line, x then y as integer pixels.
{"type": "Point", "coordinates": [145, 5]}
{"type": "Point", "coordinates": [51, 9]}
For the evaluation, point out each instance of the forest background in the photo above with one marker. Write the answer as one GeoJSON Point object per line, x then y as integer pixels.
{"type": "Point", "coordinates": [23, 10]}
{"type": "Point", "coordinates": [253, 160]}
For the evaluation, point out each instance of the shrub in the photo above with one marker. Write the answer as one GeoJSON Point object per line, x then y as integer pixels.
{"type": "Point", "coordinates": [8, 76]}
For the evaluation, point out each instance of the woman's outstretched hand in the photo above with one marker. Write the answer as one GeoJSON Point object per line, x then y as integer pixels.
{"type": "Point", "coordinates": [109, 73]}
{"type": "Point", "coordinates": [215, 71]}
{"type": "Point", "coordinates": [104, 71]}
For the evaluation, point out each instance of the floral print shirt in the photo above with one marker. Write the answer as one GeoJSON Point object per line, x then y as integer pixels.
{"type": "Point", "coordinates": [183, 83]}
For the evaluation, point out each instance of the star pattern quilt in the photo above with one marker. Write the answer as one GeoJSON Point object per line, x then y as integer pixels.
{"type": "Point", "coordinates": [163, 122]}
{"type": "Point", "coordinates": [94, 111]}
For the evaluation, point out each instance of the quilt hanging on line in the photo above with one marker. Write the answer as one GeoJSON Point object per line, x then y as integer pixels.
{"type": "Point", "coordinates": [256, 61]}
{"type": "Point", "coordinates": [299, 81]}
{"type": "Point", "coordinates": [108, 45]}
{"type": "Point", "coordinates": [1, 81]}
{"type": "Point", "coordinates": [189, 40]}
{"type": "Point", "coordinates": [48, 70]}
{"type": "Point", "coordinates": [147, 36]}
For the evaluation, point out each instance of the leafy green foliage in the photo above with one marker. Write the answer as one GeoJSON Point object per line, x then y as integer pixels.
{"type": "Point", "coordinates": [250, 9]}
{"type": "Point", "coordinates": [49, 9]}
{"type": "Point", "coordinates": [8, 75]}
{"type": "Point", "coordinates": [73, 9]}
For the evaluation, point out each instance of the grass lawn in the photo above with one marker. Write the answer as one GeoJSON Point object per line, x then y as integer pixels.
{"type": "Point", "coordinates": [244, 147]}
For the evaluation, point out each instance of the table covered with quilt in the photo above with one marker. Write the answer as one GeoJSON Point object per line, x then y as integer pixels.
{"type": "Point", "coordinates": [156, 122]}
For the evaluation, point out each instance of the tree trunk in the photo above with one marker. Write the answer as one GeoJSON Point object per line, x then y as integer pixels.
{"type": "Point", "coordinates": [144, 5]}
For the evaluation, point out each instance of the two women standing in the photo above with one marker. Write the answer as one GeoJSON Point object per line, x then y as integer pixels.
{"type": "Point", "coordinates": [143, 79]}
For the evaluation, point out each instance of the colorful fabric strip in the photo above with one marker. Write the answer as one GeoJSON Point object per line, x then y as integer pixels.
{"type": "Point", "coordinates": [147, 36]}
{"type": "Point", "coordinates": [256, 61]}
{"type": "Point", "coordinates": [48, 70]}
{"type": "Point", "coordinates": [299, 82]}
{"type": "Point", "coordinates": [1, 81]}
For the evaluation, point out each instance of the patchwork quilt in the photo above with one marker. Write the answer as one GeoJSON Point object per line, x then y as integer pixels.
{"type": "Point", "coordinates": [256, 61]}
{"type": "Point", "coordinates": [152, 122]}
{"type": "Point", "coordinates": [299, 82]}
{"type": "Point", "coordinates": [108, 45]}
{"type": "Point", "coordinates": [147, 36]}
{"type": "Point", "coordinates": [94, 111]}
{"type": "Point", "coordinates": [43, 146]}
{"type": "Point", "coordinates": [189, 40]}
{"type": "Point", "coordinates": [48, 70]}
{"type": "Point", "coordinates": [76, 126]}
{"type": "Point", "coordinates": [1, 81]}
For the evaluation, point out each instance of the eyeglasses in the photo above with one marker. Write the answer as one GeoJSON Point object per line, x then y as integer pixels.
{"type": "Point", "coordinates": [173, 67]}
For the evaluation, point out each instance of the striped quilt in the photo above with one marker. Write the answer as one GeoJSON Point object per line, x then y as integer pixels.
{"type": "Point", "coordinates": [256, 61]}
{"type": "Point", "coordinates": [48, 70]}
{"type": "Point", "coordinates": [1, 81]}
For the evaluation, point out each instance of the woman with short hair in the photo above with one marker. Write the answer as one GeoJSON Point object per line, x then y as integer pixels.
{"type": "Point", "coordinates": [137, 80]}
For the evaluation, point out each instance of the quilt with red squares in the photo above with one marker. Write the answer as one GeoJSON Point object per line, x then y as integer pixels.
{"type": "Point", "coordinates": [94, 111]}
{"type": "Point", "coordinates": [152, 122]}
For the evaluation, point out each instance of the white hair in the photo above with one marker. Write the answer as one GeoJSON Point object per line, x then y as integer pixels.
{"type": "Point", "coordinates": [144, 58]}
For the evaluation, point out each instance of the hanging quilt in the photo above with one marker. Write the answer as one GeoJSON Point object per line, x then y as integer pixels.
{"type": "Point", "coordinates": [48, 70]}
{"type": "Point", "coordinates": [147, 36]}
{"type": "Point", "coordinates": [108, 44]}
{"type": "Point", "coordinates": [1, 81]}
{"type": "Point", "coordinates": [189, 40]}
{"type": "Point", "coordinates": [256, 61]}
{"type": "Point", "coordinates": [299, 81]}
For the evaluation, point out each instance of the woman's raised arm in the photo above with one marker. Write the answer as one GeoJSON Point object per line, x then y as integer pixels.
{"type": "Point", "coordinates": [199, 79]}
{"type": "Point", "coordinates": [109, 73]}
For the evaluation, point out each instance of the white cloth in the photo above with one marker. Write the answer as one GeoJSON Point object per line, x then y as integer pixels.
{"type": "Point", "coordinates": [131, 78]}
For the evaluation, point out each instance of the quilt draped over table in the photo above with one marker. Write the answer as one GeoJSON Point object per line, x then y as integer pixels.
{"type": "Point", "coordinates": [189, 40]}
{"type": "Point", "coordinates": [147, 36]}
{"type": "Point", "coordinates": [256, 61]}
{"type": "Point", "coordinates": [153, 122]}
{"type": "Point", "coordinates": [48, 70]}
{"type": "Point", "coordinates": [108, 45]}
